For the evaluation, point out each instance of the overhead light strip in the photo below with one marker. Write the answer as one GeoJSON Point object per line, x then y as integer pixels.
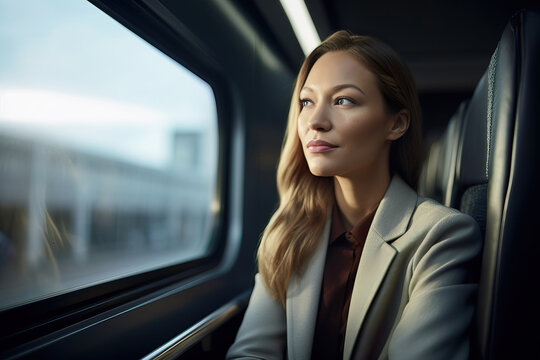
{"type": "Point", "coordinates": [302, 24]}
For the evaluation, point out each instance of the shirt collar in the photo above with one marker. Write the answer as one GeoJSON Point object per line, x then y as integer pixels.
{"type": "Point", "coordinates": [359, 231]}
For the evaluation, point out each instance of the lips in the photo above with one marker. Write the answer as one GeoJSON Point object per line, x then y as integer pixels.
{"type": "Point", "coordinates": [318, 146]}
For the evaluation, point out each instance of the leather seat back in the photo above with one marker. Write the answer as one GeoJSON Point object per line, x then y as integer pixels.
{"type": "Point", "coordinates": [508, 304]}
{"type": "Point", "coordinates": [437, 173]}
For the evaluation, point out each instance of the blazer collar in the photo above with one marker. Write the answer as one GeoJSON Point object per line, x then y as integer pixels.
{"type": "Point", "coordinates": [390, 222]}
{"type": "Point", "coordinates": [303, 293]}
{"type": "Point", "coordinates": [302, 304]}
{"type": "Point", "coordinates": [395, 210]}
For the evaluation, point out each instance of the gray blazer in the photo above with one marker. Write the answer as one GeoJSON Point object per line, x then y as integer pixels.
{"type": "Point", "coordinates": [413, 296]}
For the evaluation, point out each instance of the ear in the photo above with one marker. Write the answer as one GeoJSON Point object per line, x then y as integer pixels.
{"type": "Point", "coordinates": [400, 124]}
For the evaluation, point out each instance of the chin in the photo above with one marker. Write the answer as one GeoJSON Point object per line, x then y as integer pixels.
{"type": "Point", "coordinates": [322, 172]}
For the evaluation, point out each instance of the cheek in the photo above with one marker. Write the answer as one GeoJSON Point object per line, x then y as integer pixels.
{"type": "Point", "coordinates": [366, 129]}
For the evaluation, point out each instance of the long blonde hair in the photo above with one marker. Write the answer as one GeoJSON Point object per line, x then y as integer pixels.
{"type": "Point", "coordinates": [293, 232]}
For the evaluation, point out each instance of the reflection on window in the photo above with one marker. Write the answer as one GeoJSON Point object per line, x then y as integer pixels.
{"type": "Point", "coordinates": [108, 152]}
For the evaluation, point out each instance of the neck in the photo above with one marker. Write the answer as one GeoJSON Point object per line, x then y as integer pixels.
{"type": "Point", "coordinates": [358, 197]}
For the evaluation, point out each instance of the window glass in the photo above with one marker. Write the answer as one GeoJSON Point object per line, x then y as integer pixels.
{"type": "Point", "coordinates": [108, 152]}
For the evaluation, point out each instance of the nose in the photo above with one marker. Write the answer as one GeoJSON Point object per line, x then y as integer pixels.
{"type": "Point", "coordinates": [319, 119]}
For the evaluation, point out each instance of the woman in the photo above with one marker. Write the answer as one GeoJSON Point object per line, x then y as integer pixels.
{"type": "Point", "coordinates": [354, 264]}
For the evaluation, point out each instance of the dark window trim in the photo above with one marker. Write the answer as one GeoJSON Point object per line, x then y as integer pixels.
{"type": "Point", "coordinates": [181, 343]}
{"type": "Point", "coordinates": [28, 322]}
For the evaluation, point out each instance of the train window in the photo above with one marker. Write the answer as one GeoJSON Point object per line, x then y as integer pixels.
{"type": "Point", "coordinates": [108, 152]}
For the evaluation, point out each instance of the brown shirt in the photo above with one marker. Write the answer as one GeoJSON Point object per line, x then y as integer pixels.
{"type": "Point", "coordinates": [342, 258]}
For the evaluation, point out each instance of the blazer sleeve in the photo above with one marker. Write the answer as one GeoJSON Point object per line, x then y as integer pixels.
{"type": "Point", "coordinates": [435, 322]}
{"type": "Point", "coordinates": [263, 333]}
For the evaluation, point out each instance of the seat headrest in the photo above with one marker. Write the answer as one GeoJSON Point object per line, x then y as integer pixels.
{"type": "Point", "coordinates": [472, 149]}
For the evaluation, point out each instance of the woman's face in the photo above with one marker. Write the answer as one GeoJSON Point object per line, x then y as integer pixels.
{"type": "Point", "coordinates": [343, 125]}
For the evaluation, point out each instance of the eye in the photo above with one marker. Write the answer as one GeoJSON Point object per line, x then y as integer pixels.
{"type": "Point", "coordinates": [305, 102]}
{"type": "Point", "coordinates": [344, 101]}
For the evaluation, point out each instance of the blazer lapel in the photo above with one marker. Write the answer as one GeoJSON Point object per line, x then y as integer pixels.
{"type": "Point", "coordinates": [390, 222]}
{"type": "Point", "coordinates": [302, 304]}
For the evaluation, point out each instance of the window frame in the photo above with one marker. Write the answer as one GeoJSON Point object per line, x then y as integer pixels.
{"type": "Point", "coordinates": [36, 319]}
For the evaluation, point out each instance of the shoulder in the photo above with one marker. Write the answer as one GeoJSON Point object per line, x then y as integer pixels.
{"type": "Point", "coordinates": [439, 252]}
{"type": "Point", "coordinates": [443, 233]}
{"type": "Point", "coordinates": [407, 218]}
{"type": "Point", "coordinates": [425, 206]}
{"type": "Point", "coordinates": [404, 212]}
{"type": "Point", "coordinates": [429, 213]}
{"type": "Point", "coordinates": [433, 227]}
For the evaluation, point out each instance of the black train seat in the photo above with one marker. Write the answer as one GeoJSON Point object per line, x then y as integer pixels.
{"type": "Point", "coordinates": [468, 185]}
{"type": "Point", "coordinates": [497, 182]}
{"type": "Point", "coordinates": [508, 308]}
{"type": "Point", "coordinates": [435, 179]}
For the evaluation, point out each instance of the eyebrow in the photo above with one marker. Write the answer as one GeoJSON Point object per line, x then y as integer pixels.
{"type": "Point", "coordinates": [337, 88]}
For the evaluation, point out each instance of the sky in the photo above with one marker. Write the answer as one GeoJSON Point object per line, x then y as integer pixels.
{"type": "Point", "coordinates": [70, 74]}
